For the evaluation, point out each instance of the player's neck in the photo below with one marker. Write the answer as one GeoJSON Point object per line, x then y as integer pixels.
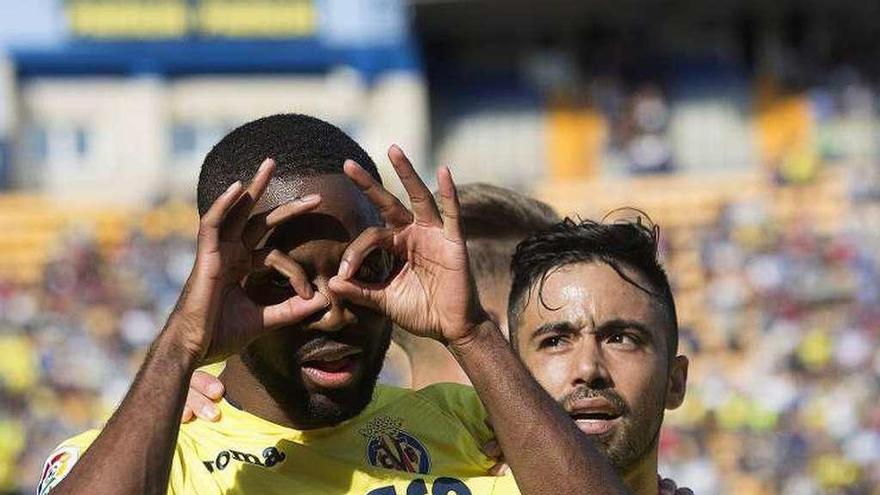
{"type": "Point", "coordinates": [246, 392]}
{"type": "Point", "coordinates": [641, 479]}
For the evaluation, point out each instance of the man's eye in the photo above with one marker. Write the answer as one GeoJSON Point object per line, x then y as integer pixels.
{"type": "Point", "coordinates": [367, 273]}
{"type": "Point", "coordinates": [623, 339]}
{"type": "Point", "coordinates": [554, 341]}
{"type": "Point", "coordinates": [279, 281]}
{"type": "Point", "coordinates": [375, 268]}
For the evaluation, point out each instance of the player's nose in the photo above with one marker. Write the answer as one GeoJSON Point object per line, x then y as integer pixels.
{"type": "Point", "coordinates": [589, 367]}
{"type": "Point", "coordinates": [337, 315]}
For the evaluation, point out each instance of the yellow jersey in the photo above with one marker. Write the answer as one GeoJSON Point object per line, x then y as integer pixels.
{"type": "Point", "coordinates": [404, 443]}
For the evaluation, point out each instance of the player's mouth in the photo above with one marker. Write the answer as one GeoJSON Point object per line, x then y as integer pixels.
{"type": "Point", "coordinates": [332, 367]}
{"type": "Point", "coordinates": [595, 416]}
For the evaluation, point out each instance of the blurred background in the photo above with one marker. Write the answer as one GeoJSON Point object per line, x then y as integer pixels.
{"type": "Point", "coordinates": [748, 130]}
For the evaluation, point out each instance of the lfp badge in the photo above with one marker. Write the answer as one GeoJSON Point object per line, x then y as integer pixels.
{"type": "Point", "coordinates": [389, 447]}
{"type": "Point", "coordinates": [58, 465]}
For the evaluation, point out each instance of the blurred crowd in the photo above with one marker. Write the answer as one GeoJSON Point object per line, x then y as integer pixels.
{"type": "Point", "coordinates": [70, 347]}
{"type": "Point", "coordinates": [784, 390]}
{"type": "Point", "coordinates": [786, 399]}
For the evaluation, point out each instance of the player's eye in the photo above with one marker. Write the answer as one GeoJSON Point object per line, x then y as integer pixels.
{"type": "Point", "coordinates": [550, 342]}
{"type": "Point", "coordinates": [279, 280]}
{"type": "Point", "coordinates": [375, 268]}
{"type": "Point", "coordinates": [623, 339]}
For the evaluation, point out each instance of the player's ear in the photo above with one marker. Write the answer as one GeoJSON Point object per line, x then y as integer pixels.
{"type": "Point", "coordinates": [676, 385]}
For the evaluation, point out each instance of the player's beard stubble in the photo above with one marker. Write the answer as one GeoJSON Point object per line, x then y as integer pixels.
{"type": "Point", "coordinates": [635, 437]}
{"type": "Point", "coordinates": [314, 409]}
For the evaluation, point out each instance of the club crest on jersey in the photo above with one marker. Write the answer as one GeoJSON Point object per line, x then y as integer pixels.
{"type": "Point", "coordinates": [390, 447]}
{"type": "Point", "coordinates": [57, 466]}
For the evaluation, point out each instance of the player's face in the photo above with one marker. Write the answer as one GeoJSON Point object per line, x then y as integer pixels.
{"type": "Point", "coordinates": [323, 369]}
{"type": "Point", "coordinates": [598, 345]}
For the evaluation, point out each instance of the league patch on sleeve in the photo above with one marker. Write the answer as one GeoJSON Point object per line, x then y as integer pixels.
{"type": "Point", "coordinates": [58, 465]}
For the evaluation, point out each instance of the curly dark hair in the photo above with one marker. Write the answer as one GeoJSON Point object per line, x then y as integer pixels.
{"type": "Point", "coordinates": [623, 245]}
{"type": "Point", "coordinates": [301, 146]}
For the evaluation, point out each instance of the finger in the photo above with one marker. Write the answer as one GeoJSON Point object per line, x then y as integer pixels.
{"type": "Point", "coordinates": [285, 265]}
{"type": "Point", "coordinates": [491, 449]}
{"type": "Point", "coordinates": [207, 384]}
{"type": "Point", "coordinates": [239, 214]}
{"type": "Point", "coordinates": [202, 406]}
{"type": "Point", "coordinates": [362, 294]}
{"type": "Point", "coordinates": [390, 208]}
{"type": "Point", "coordinates": [210, 222]}
{"type": "Point", "coordinates": [667, 487]}
{"type": "Point", "coordinates": [499, 469]}
{"type": "Point", "coordinates": [358, 250]}
{"type": "Point", "coordinates": [293, 310]}
{"type": "Point", "coordinates": [420, 197]}
{"type": "Point", "coordinates": [451, 206]}
{"type": "Point", "coordinates": [259, 225]}
{"type": "Point", "coordinates": [187, 414]}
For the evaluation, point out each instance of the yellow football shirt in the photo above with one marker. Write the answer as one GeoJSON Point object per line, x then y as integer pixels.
{"type": "Point", "coordinates": [404, 443]}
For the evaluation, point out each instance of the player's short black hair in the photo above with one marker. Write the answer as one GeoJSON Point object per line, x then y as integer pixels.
{"type": "Point", "coordinates": [300, 145]}
{"type": "Point", "coordinates": [625, 245]}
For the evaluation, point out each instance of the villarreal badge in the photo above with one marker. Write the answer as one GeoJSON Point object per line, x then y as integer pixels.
{"type": "Point", "coordinates": [57, 466]}
{"type": "Point", "coordinates": [390, 447]}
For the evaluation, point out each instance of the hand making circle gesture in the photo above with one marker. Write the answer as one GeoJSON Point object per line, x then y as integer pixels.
{"type": "Point", "coordinates": [431, 293]}
{"type": "Point", "coordinates": [218, 316]}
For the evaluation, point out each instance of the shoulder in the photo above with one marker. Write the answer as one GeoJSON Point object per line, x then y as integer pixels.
{"type": "Point", "coordinates": [461, 403]}
{"type": "Point", "coordinates": [61, 461]}
{"type": "Point", "coordinates": [452, 397]}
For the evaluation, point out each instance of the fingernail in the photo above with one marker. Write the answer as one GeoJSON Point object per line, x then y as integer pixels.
{"type": "Point", "coordinates": [266, 163]}
{"type": "Point", "coordinates": [209, 412]}
{"type": "Point", "coordinates": [343, 269]}
{"type": "Point", "coordinates": [215, 389]}
{"type": "Point", "coordinates": [308, 292]}
{"type": "Point", "coordinates": [308, 198]}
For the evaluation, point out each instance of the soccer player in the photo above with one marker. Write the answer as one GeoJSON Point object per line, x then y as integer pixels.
{"type": "Point", "coordinates": [630, 247]}
{"type": "Point", "coordinates": [592, 316]}
{"type": "Point", "coordinates": [297, 279]}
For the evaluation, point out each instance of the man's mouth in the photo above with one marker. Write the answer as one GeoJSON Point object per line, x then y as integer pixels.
{"type": "Point", "coordinates": [594, 416]}
{"type": "Point", "coordinates": [331, 367]}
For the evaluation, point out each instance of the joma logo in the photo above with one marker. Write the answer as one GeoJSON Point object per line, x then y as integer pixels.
{"type": "Point", "coordinates": [271, 457]}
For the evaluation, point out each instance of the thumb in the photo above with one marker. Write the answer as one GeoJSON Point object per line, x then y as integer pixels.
{"type": "Point", "coordinates": [293, 310]}
{"type": "Point", "coordinates": [359, 293]}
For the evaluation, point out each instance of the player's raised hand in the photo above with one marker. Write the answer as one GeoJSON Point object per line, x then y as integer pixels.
{"type": "Point", "coordinates": [218, 317]}
{"type": "Point", "coordinates": [432, 293]}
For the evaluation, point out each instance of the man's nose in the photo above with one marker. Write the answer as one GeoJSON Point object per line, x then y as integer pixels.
{"type": "Point", "coordinates": [590, 366]}
{"type": "Point", "coordinates": [337, 315]}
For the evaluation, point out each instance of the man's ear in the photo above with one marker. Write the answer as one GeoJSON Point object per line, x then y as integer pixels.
{"type": "Point", "coordinates": [677, 384]}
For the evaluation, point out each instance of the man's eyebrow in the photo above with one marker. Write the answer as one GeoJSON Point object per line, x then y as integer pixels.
{"type": "Point", "coordinates": [554, 327]}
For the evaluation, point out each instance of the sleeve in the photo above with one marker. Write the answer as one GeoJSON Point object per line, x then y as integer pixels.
{"type": "Point", "coordinates": [214, 369]}
{"type": "Point", "coordinates": [61, 461]}
{"type": "Point", "coordinates": [461, 402]}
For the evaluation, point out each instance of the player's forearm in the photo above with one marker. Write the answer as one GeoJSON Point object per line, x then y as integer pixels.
{"type": "Point", "coordinates": [134, 451]}
{"type": "Point", "coordinates": [545, 450]}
